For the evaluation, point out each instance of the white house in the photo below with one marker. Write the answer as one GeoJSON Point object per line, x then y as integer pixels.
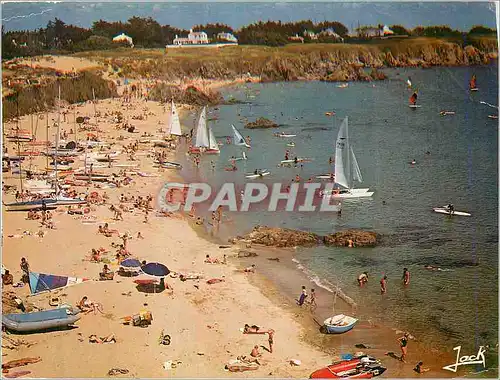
{"type": "Point", "coordinates": [331, 33]}
{"type": "Point", "coordinates": [227, 37]}
{"type": "Point", "coordinates": [193, 38]}
{"type": "Point", "coordinates": [124, 38]}
{"type": "Point", "coordinates": [311, 35]}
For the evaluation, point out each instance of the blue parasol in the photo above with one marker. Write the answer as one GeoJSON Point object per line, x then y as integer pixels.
{"type": "Point", "coordinates": [130, 263]}
{"type": "Point", "coordinates": [155, 269]}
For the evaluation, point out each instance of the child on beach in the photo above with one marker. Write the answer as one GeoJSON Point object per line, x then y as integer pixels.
{"type": "Point", "coordinates": [419, 369]}
{"type": "Point", "coordinates": [302, 297]}
{"type": "Point", "coordinates": [312, 304]}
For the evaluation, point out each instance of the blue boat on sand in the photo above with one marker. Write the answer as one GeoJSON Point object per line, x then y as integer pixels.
{"type": "Point", "coordinates": [40, 320]}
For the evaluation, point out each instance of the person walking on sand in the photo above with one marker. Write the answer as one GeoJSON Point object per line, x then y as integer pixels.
{"type": "Point", "coordinates": [313, 305]}
{"type": "Point", "coordinates": [383, 285]}
{"type": "Point", "coordinates": [25, 267]}
{"type": "Point", "coordinates": [270, 333]}
{"type": "Point", "coordinates": [302, 297]}
{"type": "Point", "coordinates": [403, 343]}
{"type": "Point", "coordinates": [406, 277]}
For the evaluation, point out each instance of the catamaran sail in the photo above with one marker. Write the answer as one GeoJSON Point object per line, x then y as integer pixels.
{"type": "Point", "coordinates": [238, 138]}
{"type": "Point", "coordinates": [175, 124]}
{"type": "Point", "coordinates": [341, 147]}
{"type": "Point", "coordinates": [201, 133]}
{"type": "Point", "coordinates": [472, 83]}
{"type": "Point", "coordinates": [413, 98]}
{"type": "Point", "coordinates": [212, 142]}
{"type": "Point", "coordinates": [356, 173]}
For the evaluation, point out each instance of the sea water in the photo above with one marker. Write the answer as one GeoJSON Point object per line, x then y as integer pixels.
{"type": "Point", "coordinates": [457, 162]}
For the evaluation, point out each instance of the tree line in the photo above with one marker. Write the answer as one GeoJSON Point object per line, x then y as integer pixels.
{"type": "Point", "coordinates": [58, 36]}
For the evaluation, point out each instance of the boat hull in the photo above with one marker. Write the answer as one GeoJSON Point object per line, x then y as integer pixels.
{"type": "Point", "coordinates": [441, 210]}
{"type": "Point", "coordinates": [50, 204]}
{"type": "Point", "coordinates": [253, 176]}
{"type": "Point", "coordinates": [350, 369]}
{"type": "Point", "coordinates": [204, 151]}
{"type": "Point", "coordinates": [352, 193]}
{"type": "Point", "coordinates": [332, 328]}
{"type": "Point", "coordinates": [42, 320]}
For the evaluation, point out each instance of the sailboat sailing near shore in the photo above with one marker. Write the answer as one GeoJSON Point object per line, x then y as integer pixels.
{"type": "Point", "coordinates": [174, 124]}
{"type": "Point", "coordinates": [472, 83]}
{"type": "Point", "coordinates": [346, 168]}
{"type": "Point", "coordinates": [205, 141]}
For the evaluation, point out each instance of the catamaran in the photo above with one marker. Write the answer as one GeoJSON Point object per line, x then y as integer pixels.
{"type": "Point", "coordinates": [205, 141]}
{"type": "Point", "coordinates": [175, 124]}
{"type": "Point", "coordinates": [343, 178]}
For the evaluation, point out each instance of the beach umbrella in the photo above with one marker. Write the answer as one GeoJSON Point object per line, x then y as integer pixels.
{"type": "Point", "coordinates": [155, 269]}
{"type": "Point", "coordinates": [130, 263]}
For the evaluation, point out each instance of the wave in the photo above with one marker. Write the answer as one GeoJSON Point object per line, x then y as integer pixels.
{"type": "Point", "coordinates": [324, 284]}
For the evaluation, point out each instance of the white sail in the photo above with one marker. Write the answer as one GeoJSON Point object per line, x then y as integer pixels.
{"type": "Point", "coordinates": [238, 138]}
{"type": "Point", "coordinates": [175, 124]}
{"type": "Point", "coordinates": [201, 131]}
{"type": "Point", "coordinates": [212, 142]}
{"type": "Point", "coordinates": [356, 175]}
{"type": "Point", "coordinates": [340, 148]}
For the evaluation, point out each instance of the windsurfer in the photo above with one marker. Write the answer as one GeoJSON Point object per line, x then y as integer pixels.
{"type": "Point", "coordinates": [450, 208]}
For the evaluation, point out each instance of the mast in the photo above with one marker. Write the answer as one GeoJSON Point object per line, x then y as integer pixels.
{"type": "Point", "coordinates": [57, 134]}
{"type": "Point", "coordinates": [95, 111]}
{"type": "Point", "coordinates": [47, 140]}
{"type": "Point", "coordinates": [349, 181]}
{"type": "Point", "coordinates": [19, 149]}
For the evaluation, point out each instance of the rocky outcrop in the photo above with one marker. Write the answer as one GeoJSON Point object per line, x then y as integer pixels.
{"type": "Point", "coordinates": [284, 237]}
{"type": "Point", "coordinates": [358, 237]}
{"type": "Point", "coordinates": [261, 122]}
{"type": "Point", "coordinates": [281, 237]}
{"type": "Point", "coordinates": [190, 95]}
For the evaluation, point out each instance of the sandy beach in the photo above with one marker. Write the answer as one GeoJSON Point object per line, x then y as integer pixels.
{"type": "Point", "coordinates": [203, 320]}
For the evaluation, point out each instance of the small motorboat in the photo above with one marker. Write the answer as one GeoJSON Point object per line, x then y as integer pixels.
{"type": "Point", "coordinates": [494, 117]}
{"type": "Point", "coordinates": [326, 176]}
{"type": "Point", "coordinates": [343, 85]}
{"type": "Point", "coordinates": [291, 144]}
{"type": "Point", "coordinates": [363, 367]}
{"type": "Point", "coordinates": [330, 113]}
{"type": "Point", "coordinates": [339, 324]}
{"type": "Point", "coordinates": [282, 134]}
{"type": "Point", "coordinates": [259, 173]}
{"type": "Point", "coordinates": [40, 320]}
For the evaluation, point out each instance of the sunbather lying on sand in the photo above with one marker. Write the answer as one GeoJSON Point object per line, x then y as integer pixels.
{"type": "Point", "coordinates": [209, 260]}
{"type": "Point", "coordinates": [184, 277]}
{"type": "Point", "coordinates": [107, 339]}
{"type": "Point", "coordinates": [215, 281]}
{"type": "Point", "coordinates": [254, 329]}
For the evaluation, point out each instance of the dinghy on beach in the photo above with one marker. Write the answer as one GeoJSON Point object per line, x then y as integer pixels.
{"type": "Point", "coordinates": [40, 320]}
{"type": "Point", "coordinates": [361, 367]}
{"type": "Point", "coordinates": [339, 324]}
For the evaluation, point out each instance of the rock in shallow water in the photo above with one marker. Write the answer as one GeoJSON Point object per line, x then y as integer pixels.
{"type": "Point", "coordinates": [359, 238]}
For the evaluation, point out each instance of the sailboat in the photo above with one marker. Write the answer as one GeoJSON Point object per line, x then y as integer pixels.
{"type": "Point", "coordinates": [472, 83]}
{"type": "Point", "coordinates": [343, 176]}
{"type": "Point", "coordinates": [238, 138]}
{"type": "Point", "coordinates": [205, 141]}
{"type": "Point", "coordinates": [175, 124]}
{"type": "Point", "coordinates": [413, 100]}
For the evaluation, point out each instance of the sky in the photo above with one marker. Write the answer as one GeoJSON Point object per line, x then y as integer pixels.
{"type": "Point", "coordinates": [458, 15]}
